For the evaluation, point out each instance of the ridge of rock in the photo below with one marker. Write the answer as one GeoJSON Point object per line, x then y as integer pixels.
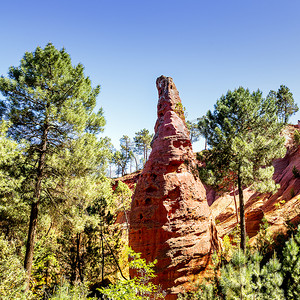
{"type": "Point", "coordinates": [170, 219]}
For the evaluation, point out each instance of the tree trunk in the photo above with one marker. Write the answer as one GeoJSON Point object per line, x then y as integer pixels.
{"type": "Point", "coordinates": [34, 208]}
{"type": "Point", "coordinates": [136, 163]}
{"type": "Point", "coordinates": [242, 212]}
{"type": "Point", "coordinates": [125, 214]}
{"type": "Point", "coordinates": [30, 240]}
{"type": "Point", "coordinates": [236, 208]}
{"type": "Point", "coordinates": [102, 260]}
{"type": "Point", "coordinates": [285, 118]}
{"type": "Point", "coordinates": [78, 241]}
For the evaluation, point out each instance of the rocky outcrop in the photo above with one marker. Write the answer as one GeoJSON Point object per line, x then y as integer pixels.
{"type": "Point", "coordinates": [170, 219]}
{"type": "Point", "coordinates": [130, 180]}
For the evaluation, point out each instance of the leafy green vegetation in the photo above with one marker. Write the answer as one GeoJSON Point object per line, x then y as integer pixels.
{"type": "Point", "coordinates": [139, 287]}
{"type": "Point", "coordinates": [12, 273]}
{"type": "Point", "coordinates": [297, 137]}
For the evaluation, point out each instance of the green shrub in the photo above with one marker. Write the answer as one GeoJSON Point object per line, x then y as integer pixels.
{"type": "Point", "coordinates": [78, 291]}
{"type": "Point", "coordinates": [296, 172]}
{"type": "Point", "coordinates": [297, 137]}
{"type": "Point", "coordinates": [137, 288]}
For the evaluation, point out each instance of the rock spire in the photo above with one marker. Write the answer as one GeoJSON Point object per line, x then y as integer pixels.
{"type": "Point", "coordinates": [170, 219]}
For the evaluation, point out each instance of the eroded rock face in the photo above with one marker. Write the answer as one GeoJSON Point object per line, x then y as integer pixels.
{"type": "Point", "coordinates": [170, 219]}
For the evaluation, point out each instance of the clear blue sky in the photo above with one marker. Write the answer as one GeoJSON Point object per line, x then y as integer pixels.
{"type": "Point", "coordinates": [208, 47]}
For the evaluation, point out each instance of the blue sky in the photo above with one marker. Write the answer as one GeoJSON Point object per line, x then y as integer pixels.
{"type": "Point", "coordinates": [207, 47]}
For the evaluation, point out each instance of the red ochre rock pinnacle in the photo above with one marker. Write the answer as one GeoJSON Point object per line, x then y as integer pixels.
{"type": "Point", "coordinates": [170, 219]}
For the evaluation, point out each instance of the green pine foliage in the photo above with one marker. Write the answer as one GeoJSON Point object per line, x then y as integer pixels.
{"type": "Point", "coordinates": [245, 136]}
{"type": "Point", "coordinates": [53, 165]}
{"type": "Point", "coordinates": [244, 278]}
{"type": "Point", "coordinates": [12, 179]}
{"type": "Point", "coordinates": [50, 105]}
{"type": "Point", "coordinates": [291, 267]}
{"type": "Point", "coordinates": [285, 103]}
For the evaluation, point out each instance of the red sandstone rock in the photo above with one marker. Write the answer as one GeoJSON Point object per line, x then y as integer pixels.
{"type": "Point", "coordinates": [170, 219]}
{"type": "Point", "coordinates": [130, 180]}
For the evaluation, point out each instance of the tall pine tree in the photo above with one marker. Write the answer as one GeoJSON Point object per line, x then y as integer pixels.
{"type": "Point", "coordinates": [49, 102]}
{"type": "Point", "coordinates": [285, 103]}
{"type": "Point", "coordinates": [244, 135]}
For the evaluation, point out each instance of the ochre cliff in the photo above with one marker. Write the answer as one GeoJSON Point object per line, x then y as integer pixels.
{"type": "Point", "coordinates": [170, 219]}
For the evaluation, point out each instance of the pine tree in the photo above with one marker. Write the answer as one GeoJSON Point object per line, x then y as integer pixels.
{"type": "Point", "coordinates": [291, 267]}
{"type": "Point", "coordinates": [285, 103]}
{"type": "Point", "coordinates": [244, 135]}
{"type": "Point", "coordinates": [142, 141]}
{"type": "Point", "coordinates": [125, 153]}
{"type": "Point", "coordinates": [271, 280]}
{"type": "Point", "coordinates": [244, 278]}
{"type": "Point", "coordinates": [49, 103]}
{"type": "Point", "coordinates": [194, 131]}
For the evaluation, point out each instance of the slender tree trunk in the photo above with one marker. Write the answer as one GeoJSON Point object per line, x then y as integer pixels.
{"type": "Point", "coordinates": [285, 117]}
{"type": "Point", "coordinates": [113, 255]}
{"type": "Point", "coordinates": [102, 250]}
{"type": "Point", "coordinates": [145, 155]}
{"type": "Point", "coordinates": [242, 212]}
{"type": "Point", "coordinates": [30, 240]}
{"type": "Point", "coordinates": [136, 163]}
{"type": "Point", "coordinates": [34, 209]}
{"type": "Point", "coordinates": [78, 240]}
{"type": "Point", "coordinates": [125, 214]}
{"type": "Point", "coordinates": [235, 204]}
